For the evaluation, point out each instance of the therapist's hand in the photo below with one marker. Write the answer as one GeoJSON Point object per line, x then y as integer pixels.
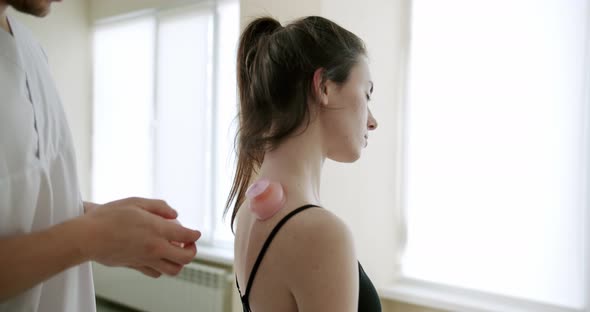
{"type": "Point", "coordinates": [135, 233]}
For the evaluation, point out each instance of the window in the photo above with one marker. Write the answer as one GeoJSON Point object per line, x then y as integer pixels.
{"type": "Point", "coordinates": [496, 159]}
{"type": "Point", "coordinates": [164, 106]}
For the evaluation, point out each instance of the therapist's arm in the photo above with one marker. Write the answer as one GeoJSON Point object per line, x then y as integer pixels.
{"type": "Point", "coordinates": [128, 232]}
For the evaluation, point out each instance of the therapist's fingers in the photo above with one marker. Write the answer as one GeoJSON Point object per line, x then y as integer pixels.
{"type": "Point", "coordinates": [177, 233]}
{"type": "Point", "coordinates": [157, 207]}
{"type": "Point", "coordinates": [146, 271]}
{"type": "Point", "coordinates": [178, 255]}
{"type": "Point", "coordinates": [192, 247]}
{"type": "Point", "coordinates": [166, 267]}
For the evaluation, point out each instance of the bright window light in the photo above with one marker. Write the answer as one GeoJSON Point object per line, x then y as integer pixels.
{"type": "Point", "coordinates": [495, 164]}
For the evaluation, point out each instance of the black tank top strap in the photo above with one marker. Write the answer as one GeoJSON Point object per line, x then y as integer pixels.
{"type": "Point", "coordinates": [274, 232]}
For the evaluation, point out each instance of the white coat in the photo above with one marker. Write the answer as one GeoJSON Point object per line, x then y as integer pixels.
{"type": "Point", "coordinates": [38, 182]}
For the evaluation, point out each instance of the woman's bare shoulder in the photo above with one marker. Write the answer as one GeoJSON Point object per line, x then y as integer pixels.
{"type": "Point", "coordinates": [318, 251]}
{"type": "Point", "coordinates": [320, 226]}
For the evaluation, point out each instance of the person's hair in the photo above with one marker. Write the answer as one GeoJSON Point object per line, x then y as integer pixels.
{"type": "Point", "coordinates": [275, 69]}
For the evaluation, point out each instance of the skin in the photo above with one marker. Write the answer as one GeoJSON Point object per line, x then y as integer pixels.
{"type": "Point", "coordinates": [3, 20]}
{"type": "Point", "coordinates": [311, 264]}
{"type": "Point", "coordinates": [132, 232]}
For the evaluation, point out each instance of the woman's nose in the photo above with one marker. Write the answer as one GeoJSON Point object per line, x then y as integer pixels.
{"type": "Point", "coordinates": [372, 122]}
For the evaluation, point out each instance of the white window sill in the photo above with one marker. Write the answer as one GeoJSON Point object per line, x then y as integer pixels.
{"type": "Point", "coordinates": [215, 254]}
{"type": "Point", "coordinates": [456, 299]}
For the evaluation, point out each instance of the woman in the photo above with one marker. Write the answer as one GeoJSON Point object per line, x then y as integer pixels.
{"type": "Point", "coordinates": [304, 90]}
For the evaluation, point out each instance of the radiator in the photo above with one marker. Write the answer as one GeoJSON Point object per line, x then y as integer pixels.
{"type": "Point", "coordinates": [198, 287]}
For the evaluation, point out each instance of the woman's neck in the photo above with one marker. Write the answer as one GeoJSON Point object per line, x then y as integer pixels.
{"type": "Point", "coordinates": [297, 164]}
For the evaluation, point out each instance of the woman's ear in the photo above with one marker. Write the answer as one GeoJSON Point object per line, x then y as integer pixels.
{"type": "Point", "coordinates": [319, 87]}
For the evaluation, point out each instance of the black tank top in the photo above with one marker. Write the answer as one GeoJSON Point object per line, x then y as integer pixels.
{"type": "Point", "coordinates": [368, 297]}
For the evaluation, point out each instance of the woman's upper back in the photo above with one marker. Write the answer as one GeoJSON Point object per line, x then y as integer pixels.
{"type": "Point", "coordinates": [309, 265]}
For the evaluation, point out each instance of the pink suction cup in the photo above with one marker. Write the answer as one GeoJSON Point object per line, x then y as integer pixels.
{"type": "Point", "coordinates": [266, 198]}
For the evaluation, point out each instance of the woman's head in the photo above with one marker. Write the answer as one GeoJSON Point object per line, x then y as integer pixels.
{"type": "Point", "coordinates": [287, 76]}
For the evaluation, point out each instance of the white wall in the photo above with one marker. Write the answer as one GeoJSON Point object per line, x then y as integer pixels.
{"type": "Point", "coordinates": [65, 36]}
{"type": "Point", "coordinates": [283, 11]}
{"type": "Point", "coordinates": [100, 9]}
{"type": "Point", "coordinates": [365, 193]}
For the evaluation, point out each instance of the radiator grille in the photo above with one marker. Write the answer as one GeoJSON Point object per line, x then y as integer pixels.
{"type": "Point", "coordinates": [203, 275]}
{"type": "Point", "coordinates": [198, 287]}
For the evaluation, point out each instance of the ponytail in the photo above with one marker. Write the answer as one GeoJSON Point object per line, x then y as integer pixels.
{"type": "Point", "coordinates": [253, 42]}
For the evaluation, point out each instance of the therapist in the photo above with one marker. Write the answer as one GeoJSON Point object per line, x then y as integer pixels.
{"type": "Point", "coordinates": [48, 236]}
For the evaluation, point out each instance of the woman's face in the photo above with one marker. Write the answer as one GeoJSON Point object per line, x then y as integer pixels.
{"type": "Point", "coordinates": [346, 118]}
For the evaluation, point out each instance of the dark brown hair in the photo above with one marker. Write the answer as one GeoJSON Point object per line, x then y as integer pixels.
{"type": "Point", "coordinates": [275, 69]}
